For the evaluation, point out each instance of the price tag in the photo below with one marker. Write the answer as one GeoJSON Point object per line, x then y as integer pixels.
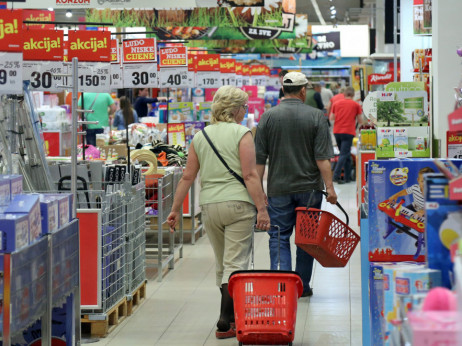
{"type": "Point", "coordinates": [239, 81]}
{"type": "Point", "coordinates": [117, 81]}
{"type": "Point", "coordinates": [10, 73]}
{"type": "Point", "coordinates": [94, 77]}
{"type": "Point", "coordinates": [260, 80]}
{"type": "Point", "coordinates": [43, 75]}
{"type": "Point", "coordinates": [228, 79]}
{"type": "Point", "coordinates": [176, 77]}
{"type": "Point", "coordinates": [140, 75]}
{"type": "Point", "coordinates": [274, 82]}
{"type": "Point", "coordinates": [245, 80]}
{"type": "Point", "coordinates": [208, 79]}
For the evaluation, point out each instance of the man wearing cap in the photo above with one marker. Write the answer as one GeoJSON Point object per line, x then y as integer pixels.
{"type": "Point", "coordinates": [295, 138]}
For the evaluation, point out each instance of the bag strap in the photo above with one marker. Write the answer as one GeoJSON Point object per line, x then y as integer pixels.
{"type": "Point", "coordinates": [234, 174]}
{"type": "Point", "coordinates": [93, 103]}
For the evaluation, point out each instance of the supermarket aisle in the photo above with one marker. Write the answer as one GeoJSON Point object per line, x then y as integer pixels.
{"type": "Point", "coordinates": [183, 309]}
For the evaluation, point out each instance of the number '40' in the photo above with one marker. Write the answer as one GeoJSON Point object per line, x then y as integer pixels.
{"type": "Point", "coordinates": [174, 79]}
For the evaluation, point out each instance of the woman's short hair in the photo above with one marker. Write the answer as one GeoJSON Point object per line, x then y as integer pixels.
{"type": "Point", "coordinates": [226, 101]}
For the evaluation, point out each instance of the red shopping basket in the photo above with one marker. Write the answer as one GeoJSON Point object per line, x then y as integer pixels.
{"type": "Point", "coordinates": [265, 305]}
{"type": "Point", "coordinates": [324, 236]}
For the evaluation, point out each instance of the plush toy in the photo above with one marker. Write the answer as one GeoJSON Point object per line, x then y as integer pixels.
{"type": "Point", "coordinates": [441, 299]}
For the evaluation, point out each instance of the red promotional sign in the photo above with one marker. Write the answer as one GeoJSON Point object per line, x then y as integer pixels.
{"type": "Point", "coordinates": [239, 68]}
{"type": "Point", "coordinates": [115, 52]}
{"type": "Point", "coordinates": [377, 78]}
{"type": "Point", "coordinates": [11, 31]}
{"type": "Point", "coordinates": [227, 65]}
{"type": "Point", "coordinates": [43, 45]}
{"type": "Point", "coordinates": [39, 16]}
{"type": "Point", "coordinates": [245, 70]}
{"type": "Point", "coordinates": [139, 50]}
{"type": "Point", "coordinates": [259, 70]}
{"type": "Point", "coordinates": [173, 56]}
{"type": "Point", "coordinates": [208, 62]}
{"type": "Point", "coordinates": [89, 45]}
{"type": "Point", "coordinates": [192, 59]}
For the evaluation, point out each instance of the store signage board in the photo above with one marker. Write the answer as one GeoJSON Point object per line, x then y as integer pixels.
{"type": "Point", "coordinates": [94, 77]}
{"type": "Point", "coordinates": [173, 57]}
{"type": "Point", "coordinates": [11, 31]}
{"type": "Point", "coordinates": [380, 79]}
{"type": "Point", "coordinates": [139, 50]}
{"type": "Point", "coordinates": [178, 77]}
{"type": "Point", "coordinates": [44, 45]}
{"type": "Point", "coordinates": [42, 75]}
{"type": "Point", "coordinates": [39, 16]}
{"type": "Point", "coordinates": [140, 75]}
{"type": "Point", "coordinates": [89, 46]}
{"type": "Point", "coordinates": [117, 81]}
{"type": "Point", "coordinates": [10, 73]}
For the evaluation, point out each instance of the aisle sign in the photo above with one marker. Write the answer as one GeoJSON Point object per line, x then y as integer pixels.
{"type": "Point", "coordinates": [89, 46]}
{"type": "Point", "coordinates": [228, 71]}
{"type": "Point", "coordinates": [115, 51]}
{"type": "Point", "coordinates": [10, 72]}
{"type": "Point", "coordinates": [139, 50]}
{"type": "Point", "coordinates": [173, 57]}
{"type": "Point", "coordinates": [43, 45]}
{"type": "Point", "coordinates": [39, 16]}
{"type": "Point", "coordinates": [140, 75]}
{"type": "Point", "coordinates": [42, 75]}
{"type": "Point", "coordinates": [117, 80]}
{"type": "Point", "coordinates": [176, 77]}
{"type": "Point", "coordinates": [94, 77]}
{"type": "Point", "coordinates": [11, 31]}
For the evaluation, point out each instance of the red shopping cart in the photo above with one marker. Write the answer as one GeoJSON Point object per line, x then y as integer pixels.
{"type": "Point", "coordinates": [324, 236]}
{"type": "Point", "coordinates": [265, 304]}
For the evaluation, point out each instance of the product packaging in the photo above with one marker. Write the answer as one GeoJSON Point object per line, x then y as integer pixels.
{"type": "Point", "coordinates": [372, 139]}
{"type": "Point", "coordinates": [30, 205]}
{"type": "Point", "coordinates": [14, 231]}
{"type": "Point", "coordinates": [400, 139]}
{"type": "Point", "coordinates": [385, 141]}
{"type": "Point", "coordinates": [191, 128]}
{"type": "Point", "coordinates": [49, 213]}
{"type": "Point", "coordinates": [435, 327]}
{"type": "Point", "coordinates": [15, 182]}
{"type": "Point", "coordinates": [420, 144]}
{"type": "Point", "coordinates": [204, 112]}
{"type": "Point", "coordinates": [5, 192]}
{"type": "Point", "coordinates": [179, 112]}
{"type": "Point", "coordinates": [65, 204]}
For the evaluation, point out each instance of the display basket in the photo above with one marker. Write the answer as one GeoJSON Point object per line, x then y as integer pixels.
{"type": "Point", "coordinates": [324, 236]}
{"type": "Point", "coordinates": [265, 305]}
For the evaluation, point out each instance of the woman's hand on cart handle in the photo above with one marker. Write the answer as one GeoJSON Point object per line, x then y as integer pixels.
{"type": "Point", "coordinates": [263, 220]}
{"type": "Point", "coordinates": [173, 219]}
{"type": "Point", "coordinates": [331, 195]}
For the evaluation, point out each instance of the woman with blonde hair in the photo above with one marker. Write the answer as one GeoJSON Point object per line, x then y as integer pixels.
{"type": "Point", "coordinates": [125, 116]}
{"type": "Point", "coordinates": [230, 202]}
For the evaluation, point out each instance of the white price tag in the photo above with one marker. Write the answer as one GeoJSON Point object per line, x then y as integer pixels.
{"type": "Point", "coordinates": [239, 81]}
{"type": "Point", "coordinates": [228, 79]}
{"type": "Point", "coordinates": [176, 77]}
{"type": "Point", "coordinates": [245, 80]}
{"type": "Point", "coordinates": [207, 79]}
{"type": "Point", "coordinates": [260, 80]}
{"type": "Point", "coordinates": [117, 81]}
{"type": "Point", "coordinates": [10, 73]}
{"type": "Point", "coordinates": [140, 75]}
{"type": "Point", "coordinates": [43, 75]}
{"type": "Point", "coordinates": [94, 77]}
{"type": "Point", "coordinates": [274, 82]}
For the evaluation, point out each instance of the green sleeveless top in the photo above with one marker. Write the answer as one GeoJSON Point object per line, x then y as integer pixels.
{"type": "Point", "coordinates": [217, 184]}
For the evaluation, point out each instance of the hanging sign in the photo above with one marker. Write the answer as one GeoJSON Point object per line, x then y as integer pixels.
{"type": "Point", "coordinates": [10, 73]}
{"type": "Point", "coordinates": [327, 42]}
{"type": "Point", "coordinates": [239, 74]}
{"type": "Point", "coordinates": [11, 31]}
{"type": "Point", "coordinates": [39, 16]}
{"type": "Point", "coordinates": [139, 50]}
{"type": "Point", "coordinates": [228, 71]}
{"type": "Point", "coordinates": [94, 77]}
{"type": "Point", "coordinates": [140, 75]}
{"type": "Point", "coordinates": [43, 75]}
{"type": "Point", "coordinates": [173, 56]}
{"type": "Point", "coordinates": [43, 45]}
{"type": "Point", "coordinates": [377, 78]}
{"type": "Point", "coordinates": [245, 75]}
{"type": "Point", "coordinates": [117, 81]}
{"type": "Point", "coordinates": [259, 74]}
{"type": "Point", "coordinates": [115, 51]}
{"type": "Point", "coordinates": [178, 77]}
{"type": "Point", "coordinates": [208, 71]}
{"type": "Point", "coordinates": [89, 45]}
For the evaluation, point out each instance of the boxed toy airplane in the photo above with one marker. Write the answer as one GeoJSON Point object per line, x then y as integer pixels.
{"type": "Point", "coordinates": [30, 205]}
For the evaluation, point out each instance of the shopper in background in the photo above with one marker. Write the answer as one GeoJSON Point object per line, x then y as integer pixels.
{"type": "Point", "coordinates": [326, 94]}
{"type": "Point", "coordinates": [142, 100]}
{"type": "Point", "coordinates": [126, 115]}
{"type": "Point", "coordinates": [103, 106]}
{"type": "Point", "coordinates": [281, 77]}
{"type": "Point", "coordinates": [335, 88]}
{"type": "Point", "coordinates": [313, 97]}
{"type": "Point", "coordinates": [228, 207]}
{"type": "Point", "coordinates": [339, 96]}
{"type": "Point", "coordinates": [345, 114]}
{"type": "Point", "coordinates": [295, 138]}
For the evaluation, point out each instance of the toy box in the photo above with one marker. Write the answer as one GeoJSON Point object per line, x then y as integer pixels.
{"type": "Point", "coordinates": [65, 205]}
{"type": "Point", "coordinates": [14, 232]}
{"type": "Point", "coordinates": [204, 112]}
{"type": "Point", "coordinates": [435, 327]}
{"type": "Point", "coordinates": [377, 320]}
{"type": "Point", "coordinates": [443, 226]}
{"type": "Point", "coordinates": [49, 213]}
{"type": "Point", "coordinates": [15, 182]}
{"type": "Point", "coordinates": [400, 139]}
{"type": "Point", "coordinates": [5, 192]}
{"type": "Point", "coordinates": [28, 204]}
{"type": "Point", "coordinates": [396, 208]}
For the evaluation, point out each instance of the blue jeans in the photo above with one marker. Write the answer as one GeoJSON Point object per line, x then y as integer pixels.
{"type": "Point", "coordinates": [344, 142]}
{"type": "Point", "coordinates": [282, 213]}
{"type": "Point", "coordinates": [91, 135]}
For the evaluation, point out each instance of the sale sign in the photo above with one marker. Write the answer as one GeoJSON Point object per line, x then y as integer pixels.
{"type": "Point", "coordinates": [43, 45]}
{"type": "Point", "coordinates": [89, 45]}
{"type": "Point", "coordinates": [139, 50]}
{"type": "Point", "coordinates": [39, 16]}
{"type": "Point", "coordinates": [208, 62]}
{"type": "Point", "coordinates": [173, 56]}
{"type": "Point", "coordinates": [115, 51]}
{"type": "Point", "coordinates": [192, 60]}
{"type": "Point", "coordinates": [228, 66]}
{"type": "Point", "coordinates": [11, 31]}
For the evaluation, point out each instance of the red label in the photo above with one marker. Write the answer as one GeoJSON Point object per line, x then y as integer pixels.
{"type": "Point", "coordinates": [89, 45]}
{"type": "Point", "coordinates": [418, 2]}
{"type": "Point", "coordinates": [115, 51]}
{"type": "Point", "coordinates": [245, 70]}
{"type": "Point", "coordinates": [43, 45]}
{"type": "Point", "coordinates": [455, 120]}
{"type": "Point", "coordinates": [239, 68]}
{"type": "Point", "coordinates": [259, 70]}
{"type": "Point", "coordinates": [208, 62]}
{"type": "Point", "coordinates": [139, 50]}
{"type": "Point", "coordinates": [377, 78]}
{"type": "Point", "coordinates": [173, 56]}
{"type": "Point", "coordinates": [454, 137]}
{"type": "Point", "coordinates": [11, 31]}
{"type": "Point", "coordinates": [402, 286]}
{"type": "Point", "coordinates": [386, 282]}
{"type": "Point", "coordinates": [227, 65]}
{"type": "Point", "coordinates": [39, 16]}
{"type": "Point", "coordinates": [73, 2]}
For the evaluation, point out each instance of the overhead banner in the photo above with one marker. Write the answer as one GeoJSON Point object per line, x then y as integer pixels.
{"type": "Point", "coordinates": [11, 31]}
{"type": "Point", "coordinates": [173, 57]}
{"type": "Point", "coordinates": [39, 16]}
{"type": "Point", "coordinates": [139, 50]}
{"type": "Point", "coordinates": [327, 42]}
{"type": "Point", "coordinates": [89, 45]}
{"type": "Point", "coordinates": [44, 45]}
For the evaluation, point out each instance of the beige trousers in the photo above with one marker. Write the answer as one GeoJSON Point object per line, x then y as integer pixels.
{"type": "Point", "coordinates": [229, 228]}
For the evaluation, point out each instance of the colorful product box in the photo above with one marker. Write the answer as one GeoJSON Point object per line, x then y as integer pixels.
{"type": "Point", "coordinates": [5, 192]}
{"type": "Point", "coordinates": [15, 182]}
{"type": "Point", "coordinates": [435, 327]}
{"type": "Point", "coordinates": [14, 232]}
{"type": "Point", "coordinates": [443, 227]}
{"type": "Point", "coordinates": [179, 112]}
{"type": "Point", "coordinates": [385, 140]}
{"type": "Point", "coordinates": [204, 112]}
{"type": "Point", "coordinates": [377, 320]}
{"type": "Point", "coordinates": [49, 213]}
{"type": "Point", "coordinates": [65, 201]}
{"type": "Point", "coordinates": [396, 209]}
{"type": "Point", "coordinates": [30, 205]}
{"type": "Point", "coordinates": [400, 139]}
{"type": "Point", "coordinates": [191, 128]}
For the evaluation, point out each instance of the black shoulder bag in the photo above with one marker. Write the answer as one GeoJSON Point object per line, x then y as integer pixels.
{"type": "Point", "coordinates": [234, 174]}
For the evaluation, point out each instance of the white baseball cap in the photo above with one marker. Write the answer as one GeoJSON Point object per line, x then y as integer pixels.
{"type": "Point", "coordinates": [294, 79]}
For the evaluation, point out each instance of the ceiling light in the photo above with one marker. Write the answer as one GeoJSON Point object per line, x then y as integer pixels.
{"type": "Point", "coordinates": [332, 7]}
{"type": "Point", "coordinates": [68, 13]}
{"type": "Point", "coordinates": [332, 15]}
{"type": "Point", "coordinates": [333, 11]}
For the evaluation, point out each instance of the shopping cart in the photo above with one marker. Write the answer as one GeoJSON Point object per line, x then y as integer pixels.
{"type": "Point", "coordinates": [324, 236]}
{"type": "Point", "coordinates": [265, 304]}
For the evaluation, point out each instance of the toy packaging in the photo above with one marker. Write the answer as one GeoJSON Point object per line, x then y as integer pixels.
{"type": "Point", "coordinates": [65, 205]}
{"type": "Point", "coordinates": [30, 205]}
{"type": "Point", "coordinates": [179, 112]}
{"type": "Point", "coordinates": [49, 213]}
{"type": "Point", "coordinates": [5, 193]}
{"type": "Point", "coordinates": [400, 139]}
{"type": "Point", "coordinates": [191, 128]}
{"type": "Point", "coordinates": [396, 209]}
{"type": "Point", "coordinates": [14, 232]}
{"type": "Point", "coordinates": [443, 227]}
{"type": "Point", "coordinates": [15, 184]}
{"type": "Point", "coordinates": [204, 112]}
{"type": "Point", "coordinates": [435, 327]}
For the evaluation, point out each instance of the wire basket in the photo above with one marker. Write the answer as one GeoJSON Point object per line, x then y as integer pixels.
{"type": "Point", "coordinates": [324, 236]}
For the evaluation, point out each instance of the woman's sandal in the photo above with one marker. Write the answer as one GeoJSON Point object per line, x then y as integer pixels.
{"type": "Point", "coordinates": [231, 333]}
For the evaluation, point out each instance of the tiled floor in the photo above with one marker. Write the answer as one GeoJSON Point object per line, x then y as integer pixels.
{"type": "Point", "coordinates": [183, 308]}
